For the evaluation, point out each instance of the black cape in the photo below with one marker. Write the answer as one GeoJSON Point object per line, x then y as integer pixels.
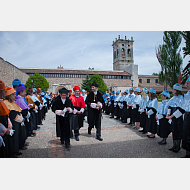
{"type": "Point", "coordinates": [91, 98]}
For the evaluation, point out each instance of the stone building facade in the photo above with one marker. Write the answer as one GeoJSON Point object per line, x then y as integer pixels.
{"type": "Point", "coordinates": [59, 78]}
{"type": "Point", "coordinates": [8, 72]}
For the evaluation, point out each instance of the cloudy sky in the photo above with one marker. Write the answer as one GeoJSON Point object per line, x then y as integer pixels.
{"type": "Point", "coordinates": [77, 49]}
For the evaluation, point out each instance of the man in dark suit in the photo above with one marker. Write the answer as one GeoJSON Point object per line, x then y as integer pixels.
{"type": "Point", "coordinates": [94, 103]}
{"type": "Point", "coordinates": [62, 106]}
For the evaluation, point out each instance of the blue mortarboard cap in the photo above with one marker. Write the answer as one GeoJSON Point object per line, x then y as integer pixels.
{"type": "Point", "coordinates": [152, 90]}
{"type": "Point", "coordinates": [132, 89]}
{"type": "Point", "coordinates": [34, 90]}
{"type": "Point", "coordinates": [16, 82]}
{"type": "Point", "coordinates": [166, 93]}
{"type": "Point", "coordinates": [112, 91]}
{"type": "Point", "coordinates": [42, 93]}
{"type": "Point", "coordinates": [122, 92]}
{"type": "Point", "coordinates": [126, 91]}
{"type": "Point", "coordinates": [137, 89]}
{"type": "Point", "coordinates": [102, 91]}
{"type": "Point", "coordinates": [107, 94]}
{"type": "Point", "coordinates": [145, 90]}
{"type": "Point", "coordinates": [188, 80]}
{"type": "Point", "coordinates": [118, 91]}
{"type": "Point", "coordinates": [83, 90]}
{"type": "Point", "coordinates": [177, 86]}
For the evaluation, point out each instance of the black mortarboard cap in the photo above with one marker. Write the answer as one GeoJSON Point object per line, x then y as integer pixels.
{"type": "Point", "coordinates": [63, 91]}
{"type": "Point", "coordinates": [94, 84]}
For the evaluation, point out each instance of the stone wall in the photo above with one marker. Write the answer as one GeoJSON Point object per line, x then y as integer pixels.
{"type": "Point", "coordinates": [8, 72]}
{"type": "Point", "coordinates": [69, 83]}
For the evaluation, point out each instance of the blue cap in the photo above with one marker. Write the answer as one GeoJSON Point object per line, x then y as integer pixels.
{"type": "Point", "coordinates": [16, 82]}
{"type": "Point", "coordinates": [107, 94]}
{"type": "Point", "coordinates": [145, 90]}
{"type": "Point", "coordinates": [166, 93]}
{"type": "Point", "coordinates": [122, 92]}
{"type": "Point", "coordinates": [132, 89]}
{"type": "Point", "coordinates": [42, 93]}
{"type": "Point", "coordinates": [137, 89]}
{"type": "Point", "coordinates": [83, 90]}
{"type": "Point", "coordinates": [118, 91]}
{"type": "Point", "coordinates": [188, 80]}
{"type": "Point", "coordinates": [113, 91]}
{"type": "Point", "coordinates": [152, 90]}
{"type": "Point", "coordinates": [34, 90]}
{"type": "Point", "coordinates": [177, 86]}
{"type": "Point", "coordinates": [102, 91]}
{"type": "Point", "coordinates": [126, 91]}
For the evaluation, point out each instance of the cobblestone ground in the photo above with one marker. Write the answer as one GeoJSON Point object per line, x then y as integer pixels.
{"type": "Point", "coordinates": [119, 141]}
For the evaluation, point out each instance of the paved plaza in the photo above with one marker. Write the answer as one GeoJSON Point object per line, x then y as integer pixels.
{"type": "Point", "coordinates": [119, 141]}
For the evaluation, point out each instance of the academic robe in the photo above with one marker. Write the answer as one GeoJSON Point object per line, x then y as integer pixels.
{"type": "Point", "coordinates": [76, 120]}
{"type": "Point", "coordinates": [62, 123]}
{"type": "Point", "coordinates": [4, 113]}
{"type": "Point", "coordinates": [25, 109]}
{"type": "Point", "coordinates": [15, 112]}
{"type": "Point", "coordinates": [94, 115]}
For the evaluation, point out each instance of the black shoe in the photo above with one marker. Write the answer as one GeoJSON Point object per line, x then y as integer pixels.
{"type": "Point", "coordinates": [144, 132]}
{"type": "Point", "coordinates": [141, 130]}
{"type": "Point", "coordinates": [123, 121]}
{"type": "Point", "coordinates": [33, 135]}
{"type": "Point", "coordinates": [176, 150]}
{"type": "Point", "coordinates": [62, 142]}
{"type": "Point", "coordinates": [18, 153]}
{"type": "Point", "coordinates": [41, 123]}
{"type": "Point", "coordinates": [112, 117]}
{"type": "Point", "coordinates": [171, 149]}
{"type": "Point", "coordinates": [99, 138]}
{"type": "Point", "coordinates": [116, 118]}
{"type": "Point", "coordinates": [89, 132]}
{"type": "Point", "coordinates": [67, 146]}
{"type": "Point", "coordinates": [161, 143]}
{"type": "Point", "coordinates": [150, 136]}
{"type": "Point", "coordinates": [132, 124]}
{"type": "Point", "coordinates": [76, 138]}
{"type": "Point", "coordinates": [129, 123]}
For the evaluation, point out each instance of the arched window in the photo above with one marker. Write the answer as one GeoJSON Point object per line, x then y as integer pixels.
{"type": "Point", "coordinates": [123, 52]}
{"type": "Point", "coordinates": [129, 53]}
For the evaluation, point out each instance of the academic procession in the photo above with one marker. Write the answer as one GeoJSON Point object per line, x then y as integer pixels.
{"type": "Point", "coordinates": [22, 112]}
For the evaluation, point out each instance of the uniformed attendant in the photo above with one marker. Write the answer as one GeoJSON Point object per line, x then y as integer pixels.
{"type": "Point", "coordinates": [186, 123]}
{"type": "Point", "coordinates": [152, 105]}
{"type": "Point", "coordinates": [94, 102]}
{"type": "Point", "coordinates": [163, 127]}
{"type": "Point", "coordinates": [175, 115]}
{"type": "Point", "coordinates": [120, 104]}
{"type": "Point", "coordinates": [135, 108]}
{"type": "Point", "coordinates": [142, 110]}
{"type": "Point", "coordinates": [124, 105]}
{"type": "Point", "coordinates": [129, 102]}
{"type": "Point", "coordinates": [62, 106]}
{"type": "Point", "coordinates": [112, 97]}
{"type": "Point", "coordinates": [116, 106]}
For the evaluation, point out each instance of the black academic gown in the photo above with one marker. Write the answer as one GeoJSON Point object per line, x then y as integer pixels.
{"type": "Point", "coordinates": [94, 115]}
{"type": "Point", "coordinates": [186, 132]}
{"type": "Point", "coordinates": [151, 125]}
{"type": "Point", "coordinates": [63, 122]}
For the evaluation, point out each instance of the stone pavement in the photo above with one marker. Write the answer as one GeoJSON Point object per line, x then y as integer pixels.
{"type": "Point", "coordinates": [119, 141]}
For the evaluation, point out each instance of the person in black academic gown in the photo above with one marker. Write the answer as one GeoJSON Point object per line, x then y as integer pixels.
{"type": "Point", "coordinates": [94, 103]}
{"type": "Point", "coordinates": [62, 106]}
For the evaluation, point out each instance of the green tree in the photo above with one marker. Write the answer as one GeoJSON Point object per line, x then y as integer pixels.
{"type": "Point", "coordinates": [172, 40]}
{"type": "Point", "coordinates": [155, 74]}
{"type": "Point", "coordinates": [170, 58]}
{"type": "Point", "coordinates": [38, 82]}
{"type": "Point", "coordinates": [186, 51]}
{"type": "Point", "coordinates": [86, 84]}
{"type": "Point", "coordinates": [100, 82]}
{"type": "Point", "coordinates": [162, 57]}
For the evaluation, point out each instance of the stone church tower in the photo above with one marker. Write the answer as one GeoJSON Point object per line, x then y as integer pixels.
{"type": "Point", "coordinates": [123, 58]}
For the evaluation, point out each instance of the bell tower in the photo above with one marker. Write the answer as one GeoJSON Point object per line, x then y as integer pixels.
{"type": "Point", "coordinates": [122, 53]}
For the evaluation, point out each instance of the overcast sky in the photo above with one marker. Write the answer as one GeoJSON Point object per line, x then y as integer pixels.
{"type": "Point", "coordinates": [77, 49]}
